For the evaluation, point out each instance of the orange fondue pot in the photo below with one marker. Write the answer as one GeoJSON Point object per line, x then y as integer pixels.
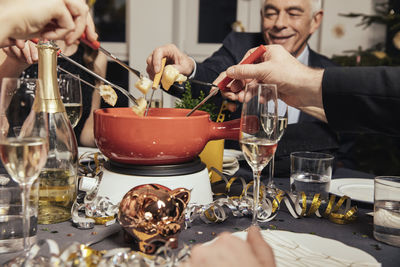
{"type": "Point", "coordinates": [165, 136]}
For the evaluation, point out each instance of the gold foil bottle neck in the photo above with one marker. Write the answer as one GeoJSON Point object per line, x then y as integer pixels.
{"type": "Point", "coordinates": [47, 98]}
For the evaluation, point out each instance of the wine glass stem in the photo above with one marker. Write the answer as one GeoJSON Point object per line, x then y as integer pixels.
{"type": "Point", "coordinates": [256, 196]}
{"type": "Point", "coordinates": [271, 173]}
{"type": "Point", "coordinates": [25, 195]}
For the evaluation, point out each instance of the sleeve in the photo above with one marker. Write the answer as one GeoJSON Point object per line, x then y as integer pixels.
{"type": "Point", "coordinates": [220, 60]}
{"type": "Point", "coordinates": [362, 99]}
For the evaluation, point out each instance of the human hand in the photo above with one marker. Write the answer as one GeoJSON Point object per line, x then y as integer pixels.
{"type": "Point", "coordinates": [298, 85]}
{"type": "Point", "coordinates": [25, 56]}
{"type": "Point", "coordinates": [183, 63]}
{"type": "Point", "coordinates": [228, 250]}
{"type": "Point", "coordinates": [56, 19]}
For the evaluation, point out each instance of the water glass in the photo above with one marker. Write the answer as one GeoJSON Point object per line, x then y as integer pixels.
{"type": "Point", "coordinates": [311, 172]}
{"type": "Point", "coordinates": [11, 215]}
{"type": "Point", "coordinates": [387, 209]}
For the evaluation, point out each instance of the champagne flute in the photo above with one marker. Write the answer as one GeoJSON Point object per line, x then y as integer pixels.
{"type": "Point", "coordinates": [281, 127]}
{"type": "Point", "coordinates": [23, 140]}
{"type": "Point", "coordinates": [71, 96]}
{"type": "Point", "coordinates": [258, 135]}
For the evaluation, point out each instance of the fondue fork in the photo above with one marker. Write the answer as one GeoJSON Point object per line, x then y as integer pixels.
{"type": "Point", "coordinates": [119, 88]}
{"type": "Point", "coordinates": [156, 83]}
{"type": "Point", "coordinates": [222, 84]}
{"type": "Point", "coordinates": [95, 45]}
{"type": "Point", "coordinates": [122, 90]}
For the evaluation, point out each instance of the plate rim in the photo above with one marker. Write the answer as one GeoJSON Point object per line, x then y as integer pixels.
{"type": "Point", "coordinates": [336, 183]}
{"type": "Point", "coordinates": [318, 239]}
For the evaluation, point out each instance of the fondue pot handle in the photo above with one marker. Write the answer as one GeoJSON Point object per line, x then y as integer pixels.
{"type": "Point", "coordinates": [224, 130]}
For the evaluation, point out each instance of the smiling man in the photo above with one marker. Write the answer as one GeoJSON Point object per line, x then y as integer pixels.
{"type": "Point", "coordinates": [289, 23]}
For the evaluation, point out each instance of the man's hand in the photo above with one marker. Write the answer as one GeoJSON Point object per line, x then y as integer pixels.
{"type": "Point", "coordinates": [298, 85]}
{"type": "Point", "coordinates": [183, 63]}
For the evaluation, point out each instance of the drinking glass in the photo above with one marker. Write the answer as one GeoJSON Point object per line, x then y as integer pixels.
{"type": "Point", "coordinates": [71, 96]}
{"type": "Point", "coordinates": [23, 140]}
{"type": "Point", "coordinates": [387, 209]}
{"type": "Point", "coordinates": [281, 127]}
{"type": "Point", "coordinates": [311, 173]}
{"type": "Point", "coordinates": [258, 134]}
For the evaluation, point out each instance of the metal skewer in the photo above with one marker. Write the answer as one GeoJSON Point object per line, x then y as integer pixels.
{"type": "Point", "coordinates": [96, 46]}
{"type": "Point", "coordinates": [202, 83]}
{"type": "Point", "coordinates": [149, 104]}
{"type": "Point", "coordinates": [257, 53]}
{"type": "Point", "coordinates": [212, 93]}
{"type": "Point", "coordinates": [122, 90]}
{"type": "Point", "coordinates": [78, 78]}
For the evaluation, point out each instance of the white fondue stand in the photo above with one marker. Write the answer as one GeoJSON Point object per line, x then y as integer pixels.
{"type": "Point", "coordinates": [115, 185]}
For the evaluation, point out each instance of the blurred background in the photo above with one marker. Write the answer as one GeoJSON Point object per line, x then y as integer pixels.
{"type": "Point", "coordinates": [353, 32]}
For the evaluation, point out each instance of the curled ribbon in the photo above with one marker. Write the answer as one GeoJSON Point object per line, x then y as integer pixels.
{"type": "Point", "coordinates": [82, 255]}
{"type": "Point", "coordinates": [242, 205]}
{"type": "Point", "coordinates": [98, 210]}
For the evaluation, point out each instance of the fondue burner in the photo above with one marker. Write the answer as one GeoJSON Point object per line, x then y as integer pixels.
{"type": "Point", "coordinates": [119, 178]}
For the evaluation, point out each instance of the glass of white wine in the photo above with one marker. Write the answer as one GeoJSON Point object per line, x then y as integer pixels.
{"type": "Point", "coordinates": [258, 132]}
{"type": "Point", "coordinates": [71, 96]}
{"type": "Point", "coordinates": [281, 127]}
{"type": "Point", "coordinates": [23, 140]}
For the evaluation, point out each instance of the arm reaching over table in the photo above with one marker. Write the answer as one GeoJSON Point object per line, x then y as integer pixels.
{"type": "Point", "coordinates": [298, 85]}
{"type": "Point", "coordinates": [56, 19]}
{"type": "Point", "coordinates": [350, 99]}
{"type": "Point", "coordinates": [228, 250]}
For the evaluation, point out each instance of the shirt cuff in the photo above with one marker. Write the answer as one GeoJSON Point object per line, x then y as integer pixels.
{"type": "Point", "coordinates": [191, 76]}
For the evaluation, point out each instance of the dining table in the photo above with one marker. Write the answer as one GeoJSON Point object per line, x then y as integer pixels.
{"type": "Point", "coordinates": [357, 234]}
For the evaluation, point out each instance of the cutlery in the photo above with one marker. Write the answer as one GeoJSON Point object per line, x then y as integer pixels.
{"type": "Point", "coordinates": [156, 83]}
{"type": "Point", "coordinates": [222, 84]}
{"type": "Point", "coordinates": [122, 90]}
{"type": "Point", "coordinates": [96, 46]}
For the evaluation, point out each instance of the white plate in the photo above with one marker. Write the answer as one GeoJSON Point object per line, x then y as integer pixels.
{"type": "Point", "coordinates": [315, 250]}
{"type": "Point", "coordinates": [355, 188]}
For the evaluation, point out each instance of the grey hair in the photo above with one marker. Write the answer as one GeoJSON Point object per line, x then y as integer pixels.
{"type": "Point", "coordinates": [316, 5]}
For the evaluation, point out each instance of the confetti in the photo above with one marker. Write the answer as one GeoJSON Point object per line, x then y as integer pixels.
{"type": "Point", "coordinates": [93, 233]}
{"type": "Point", "coordinates": [213, 233]}
{"type": "Point", "coordinates": [199, 232]}
{"type": "Point", "coordinates": [45, 229]}
{"type": "Point", "coordinates": [191, 241]}
{"type": "Point", "coordinates": [376, 246]}
{"type": "Point", "coordinates": [70, 234]}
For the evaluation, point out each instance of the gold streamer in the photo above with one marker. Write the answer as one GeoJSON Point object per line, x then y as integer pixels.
{"type": "Point", "coordinates": [333, 211]}
{"type": "Point", "coordinates": [102, 220]}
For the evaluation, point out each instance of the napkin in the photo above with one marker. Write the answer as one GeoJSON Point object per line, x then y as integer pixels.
{"type": "Point", "coordinates": [230, 163]}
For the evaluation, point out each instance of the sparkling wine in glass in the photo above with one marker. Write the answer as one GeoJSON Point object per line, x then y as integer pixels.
{"type": "Point", "coordinates": [258, 132]}
{"type": "Point", "coordinates": [23, 140]}
{"type": "Point", "coordinates": [281, 127]}
{"type": "Point", "coordinates": [71, 96]}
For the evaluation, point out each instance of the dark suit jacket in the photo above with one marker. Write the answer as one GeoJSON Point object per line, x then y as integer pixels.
{"type": "Point", "coordinates": [363, 99]}
{"type": "Point", "coordinates": [307, 135]}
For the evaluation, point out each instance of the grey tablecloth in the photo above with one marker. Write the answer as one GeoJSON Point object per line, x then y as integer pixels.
{"type": "Point", "coordinates": [357, 234]}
